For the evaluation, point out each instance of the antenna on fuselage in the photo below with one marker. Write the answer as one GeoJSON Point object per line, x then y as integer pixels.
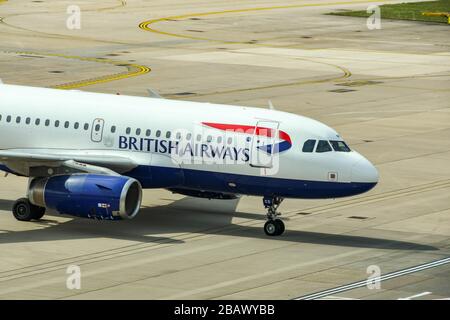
{"type": "Point", "coordinates": [271, 107]}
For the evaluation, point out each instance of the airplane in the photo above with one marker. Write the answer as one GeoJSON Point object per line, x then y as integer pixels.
{"type": "Point", "coordinates": [90, 154]}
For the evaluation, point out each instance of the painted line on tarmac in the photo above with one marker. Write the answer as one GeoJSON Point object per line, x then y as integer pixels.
{"type": "Point", "coordinates": [426, 293]}
{"type": "Point", "coordinates": [145, 25]}
{"type": "Point", "coordinates": [253, 278]}
{"type": "Point", "coordinates": [134, 70]}
{"type": "Point", "coordinates": [202, 234]}
{"type": "Point", "coordinates": [63, 36]}
{"type": "Point", "coordinates": [363, 283]}
{"type": "Point", "coordinates": [345, 74]}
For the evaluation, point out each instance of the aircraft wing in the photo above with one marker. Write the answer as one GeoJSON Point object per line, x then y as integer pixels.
{"type": "Point", "coordinates": [47, 162]}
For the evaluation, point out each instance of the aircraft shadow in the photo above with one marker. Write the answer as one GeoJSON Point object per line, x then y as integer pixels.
{"type": "Point", "coordinates": [187, 215]}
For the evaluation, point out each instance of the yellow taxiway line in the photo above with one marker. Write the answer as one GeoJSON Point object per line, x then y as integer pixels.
{"type": "Point", "coordinates": [146, 25]}
{"type": "Point", "coordinates": [149, 26]}
{"type": "Point", "coordinates": [133, 70]}
{"type": "Point", "coordinates": [62, 36]}
{"type": "Point", "coordinates": [344, 75]}
{"type": "Point", "coordinates": [438, 14]}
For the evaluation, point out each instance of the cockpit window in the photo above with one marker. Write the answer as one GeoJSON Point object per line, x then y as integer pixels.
{"type": "Point", "coordinates": [340, 146]}
{"type": "Point", "coordinates": [323, 146]}
{"type": "Point", "coordinates": [308, 146]}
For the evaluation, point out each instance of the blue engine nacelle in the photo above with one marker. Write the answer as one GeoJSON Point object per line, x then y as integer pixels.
{"type": "Point", "coordinates": [88, 195]}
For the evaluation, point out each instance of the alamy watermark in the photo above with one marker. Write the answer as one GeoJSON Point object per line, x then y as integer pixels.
{"type": "Point", "coordinates": [73, 22]}
{"type": "Point", "coordinates": [374, 279]}
{"type": "Point", "coordinates": [374, 20]}
{"type": "Point", "coordinates": [73, 281]}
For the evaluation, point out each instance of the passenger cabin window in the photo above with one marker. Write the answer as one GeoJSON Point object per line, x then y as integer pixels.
{"type": "Point", "coordinates": [323, 146]}
{"type": "Point", "coordinates": [57, 123]}
{"type": "Point", "coordinates": [113, 129]}
{"type": "Point", "coordinates": [308, 146]}
{"type": "Point", "coordinates": [86, 126]}
{"type": "Point", "coordinates": [37, 121]}
{"type": "Point", "coordinates": [340, 146]}
{"type": "Point", "coordinates": [158, 133]}
{"type": "Point", "coordinates": [76, 125]}
{"type": "Point", "coordinates": [168, 134]}
{"type": "Point", "coordinates": [128, 131]}
{"type": "Point", "coordinates": [148, 132]}
{"type": "Point", "coordinates": [18, 120]}
{"type": "Point", "coordinates": [47, 122]}
{"type": "Point", "coordinates": [66, 124]}
{"type": "Point", "coordinates": [28, 120]}
{"type": "Point", "coordinates": [8, 119]}
{"type": "Point", "coordinates": [138, 132]}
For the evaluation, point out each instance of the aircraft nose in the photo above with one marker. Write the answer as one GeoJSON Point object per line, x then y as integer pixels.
{"type": "Point", "coordinates": [364, 171]}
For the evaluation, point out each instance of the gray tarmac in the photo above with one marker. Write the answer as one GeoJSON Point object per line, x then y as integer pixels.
{"type": "Point", "coordinates": [386, 91]}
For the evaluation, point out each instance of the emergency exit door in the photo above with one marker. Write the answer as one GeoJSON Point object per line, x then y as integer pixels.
{"type": "Point", "coordinates": [97, 130]}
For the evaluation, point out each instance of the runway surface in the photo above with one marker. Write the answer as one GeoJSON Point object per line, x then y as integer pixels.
{"type": "Point", "coordinates": [386, 91]}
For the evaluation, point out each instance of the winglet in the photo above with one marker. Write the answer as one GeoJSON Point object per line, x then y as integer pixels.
{"type": "Point", "coordinates": [153, 94]}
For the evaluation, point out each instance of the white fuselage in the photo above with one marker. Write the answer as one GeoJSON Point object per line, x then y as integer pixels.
{"type": "Point", "coordinates": [202, 146]}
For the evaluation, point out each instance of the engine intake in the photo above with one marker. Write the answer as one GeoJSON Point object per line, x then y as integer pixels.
{"type": "Point", "coordinates": [88, 195]}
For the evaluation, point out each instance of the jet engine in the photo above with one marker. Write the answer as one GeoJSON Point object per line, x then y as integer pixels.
{"type": "Point", "coordinates": [104, 197]}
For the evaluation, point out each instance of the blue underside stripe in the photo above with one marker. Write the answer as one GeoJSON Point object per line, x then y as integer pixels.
{"type": "Point", "coordinates": [163, 177]}
{"type": "Point", "coordinates": [245, 184]}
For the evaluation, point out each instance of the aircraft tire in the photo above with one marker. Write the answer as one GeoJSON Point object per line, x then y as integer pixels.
{"type": "Point", "coordinates": [280, 226]}
{"type": "Point", "coordinates": [274, 227]}
{"type": "Point", "coordinates": [23, 210]}
{"type": "Point", "coordinates": [38, 212]}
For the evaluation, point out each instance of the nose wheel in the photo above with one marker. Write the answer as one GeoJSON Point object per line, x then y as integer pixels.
{"type": "Point", "coordinates": [274, 226]}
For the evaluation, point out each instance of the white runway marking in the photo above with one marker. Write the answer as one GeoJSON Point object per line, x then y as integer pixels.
{"type": "Point", "coordinates": [416, 296]}
{"type": "Point", "coordinates": [338, 298]}
{"type": "Point", "coordinates": [385, 277]}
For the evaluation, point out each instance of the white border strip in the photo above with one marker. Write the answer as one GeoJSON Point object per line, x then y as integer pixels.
{"type": "Point", "coordinates": [385, 277]}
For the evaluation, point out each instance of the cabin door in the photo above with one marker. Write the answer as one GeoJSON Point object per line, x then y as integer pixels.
{"type": "Point", "coordinates": [97, 130]}
{"type": "Point", "coordinates": [263, 144]}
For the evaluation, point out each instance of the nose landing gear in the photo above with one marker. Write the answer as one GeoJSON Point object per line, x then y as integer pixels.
{"type": "Point", "coordinates": [274, 226]}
